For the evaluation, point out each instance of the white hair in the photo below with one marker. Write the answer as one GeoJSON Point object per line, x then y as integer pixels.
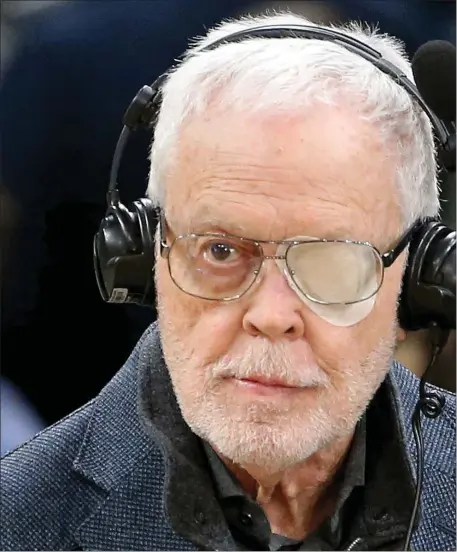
{"type": "Point", "coordinates": [260, 74]}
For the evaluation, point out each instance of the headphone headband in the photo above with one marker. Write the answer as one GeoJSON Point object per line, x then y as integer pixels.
{"type": "Point", "coordinates": [144, 108]}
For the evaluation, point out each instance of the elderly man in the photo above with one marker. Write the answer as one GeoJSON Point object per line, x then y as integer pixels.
{"type": "Point", "coordinates": [264, 411]}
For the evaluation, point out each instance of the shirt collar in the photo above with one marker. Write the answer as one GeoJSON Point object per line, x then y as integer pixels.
{"type": "Point", "coordinates": [352, 473]}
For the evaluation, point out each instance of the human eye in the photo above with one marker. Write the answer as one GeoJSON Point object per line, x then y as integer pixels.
{"type": "Point", "coordinates": [225, 255]}
{"type": "Point", "coordinates": [220, 251]}
{"type": "Point", "coordinates": [215, 265]}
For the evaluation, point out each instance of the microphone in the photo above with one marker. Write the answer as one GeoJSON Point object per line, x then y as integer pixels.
{"type": "Point", "coordinates": [434, 70]}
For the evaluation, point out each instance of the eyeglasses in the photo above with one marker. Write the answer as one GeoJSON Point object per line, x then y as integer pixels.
{"type": "Point", "coordinates": [222, 267]}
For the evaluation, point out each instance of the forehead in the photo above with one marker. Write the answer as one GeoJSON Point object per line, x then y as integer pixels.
{"type": "Point", "coordinates": [277, 175]}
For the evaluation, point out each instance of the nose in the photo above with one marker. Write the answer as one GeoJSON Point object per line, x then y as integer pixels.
{"type": "Point", "coordinates": [274, 309]}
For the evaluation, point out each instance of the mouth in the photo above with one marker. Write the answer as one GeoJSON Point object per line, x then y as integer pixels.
{"type": "Point", "coordinates": [259, 386]}
{"type": "Point", "coordinates": [266, 382]}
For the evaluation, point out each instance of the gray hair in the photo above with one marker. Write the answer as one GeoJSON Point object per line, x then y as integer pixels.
{"type": "Point", "coordinates": [287, 74]}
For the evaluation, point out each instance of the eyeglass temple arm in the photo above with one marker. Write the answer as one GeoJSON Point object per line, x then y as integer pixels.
{"type": "Point", "coordinates": [164, 247]}
{"type": "Point", "coordinates": [390, 256]}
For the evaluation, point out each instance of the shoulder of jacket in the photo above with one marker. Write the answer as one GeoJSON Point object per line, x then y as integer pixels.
{"type": "Point", "coordinates": [39, 487]}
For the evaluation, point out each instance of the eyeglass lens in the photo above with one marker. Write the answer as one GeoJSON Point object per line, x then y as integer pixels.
{"type": "Point", "coordinates": [335, 272]}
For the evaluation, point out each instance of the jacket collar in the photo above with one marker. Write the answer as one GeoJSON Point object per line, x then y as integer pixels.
{"type": "Point", "coordinates": [114, 419]}
{"type": "Point", "coordinates": [125, 449]}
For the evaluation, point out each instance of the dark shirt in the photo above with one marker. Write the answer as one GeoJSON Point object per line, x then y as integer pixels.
{"type": "Point", "coordinates": [248, 522]}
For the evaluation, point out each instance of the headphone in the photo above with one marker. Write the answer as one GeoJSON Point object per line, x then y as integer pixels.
{"type": "Point", "coordinates": [123, 249]}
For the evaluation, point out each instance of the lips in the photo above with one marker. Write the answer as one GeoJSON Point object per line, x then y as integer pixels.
{"type": "Point", "coordinates": [268, 382]}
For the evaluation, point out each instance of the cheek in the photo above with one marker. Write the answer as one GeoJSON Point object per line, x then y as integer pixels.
{"type": "Point", "coordinates": [334, 347]}
{"type": "Point", "coordinates": [207, 329]}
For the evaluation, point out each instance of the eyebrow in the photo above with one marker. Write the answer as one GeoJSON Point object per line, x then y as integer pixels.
{"type": "Point", "coordinates": [217, 225]}
{"type": "Point", "coordinates": [213, 224]}
{"type": "Point", "coordinates": [205, 220]}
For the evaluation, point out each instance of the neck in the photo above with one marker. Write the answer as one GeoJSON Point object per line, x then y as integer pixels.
{"type": "Point", "coordinates": [298, 499]}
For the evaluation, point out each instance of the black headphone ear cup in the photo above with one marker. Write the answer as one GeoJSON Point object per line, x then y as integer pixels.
{"type": "Point", "coordinates": [147, 221]}
{"type": "Point", "coordinates": [114, 240]}
{"type": "Point", "coordinates": [147, 224]}
{"type": "Point", "coordinates": [123, 256]}
{"type": "Point", "coordinates": [406, 306]}
{"type": "Point", "coordinates": [428, 292]}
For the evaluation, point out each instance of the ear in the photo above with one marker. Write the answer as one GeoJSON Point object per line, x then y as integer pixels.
{"type": "Point", "coordinates": [401, 334]}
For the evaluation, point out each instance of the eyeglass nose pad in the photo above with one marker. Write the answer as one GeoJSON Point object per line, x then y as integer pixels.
{"type": "Point", "coordinates": [282, 265]}
{"type": "Point", "coordinates": [282, 250]}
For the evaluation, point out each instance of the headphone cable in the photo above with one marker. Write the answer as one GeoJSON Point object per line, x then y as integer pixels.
{"type": "Point", "coordinates": [430, 404]}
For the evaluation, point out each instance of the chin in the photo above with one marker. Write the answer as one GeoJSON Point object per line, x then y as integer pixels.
{"type": "Point", "coordinates": [260, 435]}
{"type": "Point", "coordinates": [269, 447]}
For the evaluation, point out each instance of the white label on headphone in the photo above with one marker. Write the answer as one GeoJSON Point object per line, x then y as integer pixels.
{"type": "Point", "coordinates": [118, 295]}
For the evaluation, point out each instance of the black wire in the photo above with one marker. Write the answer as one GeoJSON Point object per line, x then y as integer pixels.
{"type": "Point", "coordinates": [430, 405]}
{"type": "Point", "coordinates": [416, 421]}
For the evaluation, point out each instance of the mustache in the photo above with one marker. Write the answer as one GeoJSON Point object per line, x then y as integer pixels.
{"type": "Point", "coordinates": [269, 360]}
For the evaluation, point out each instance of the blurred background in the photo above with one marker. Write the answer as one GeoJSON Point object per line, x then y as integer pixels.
{"type": "Point", "coordinates": [68, 71]}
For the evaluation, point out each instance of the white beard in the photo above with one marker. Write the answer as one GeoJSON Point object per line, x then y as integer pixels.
{"type": "Point", "coordinates": [272, 435]}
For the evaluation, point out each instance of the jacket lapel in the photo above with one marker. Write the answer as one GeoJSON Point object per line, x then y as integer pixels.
{"type": "Point", "coordinates": [146, 469]}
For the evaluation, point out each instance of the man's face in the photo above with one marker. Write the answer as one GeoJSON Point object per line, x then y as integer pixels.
{"type": "Point", "coordinates": [273, 177]}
